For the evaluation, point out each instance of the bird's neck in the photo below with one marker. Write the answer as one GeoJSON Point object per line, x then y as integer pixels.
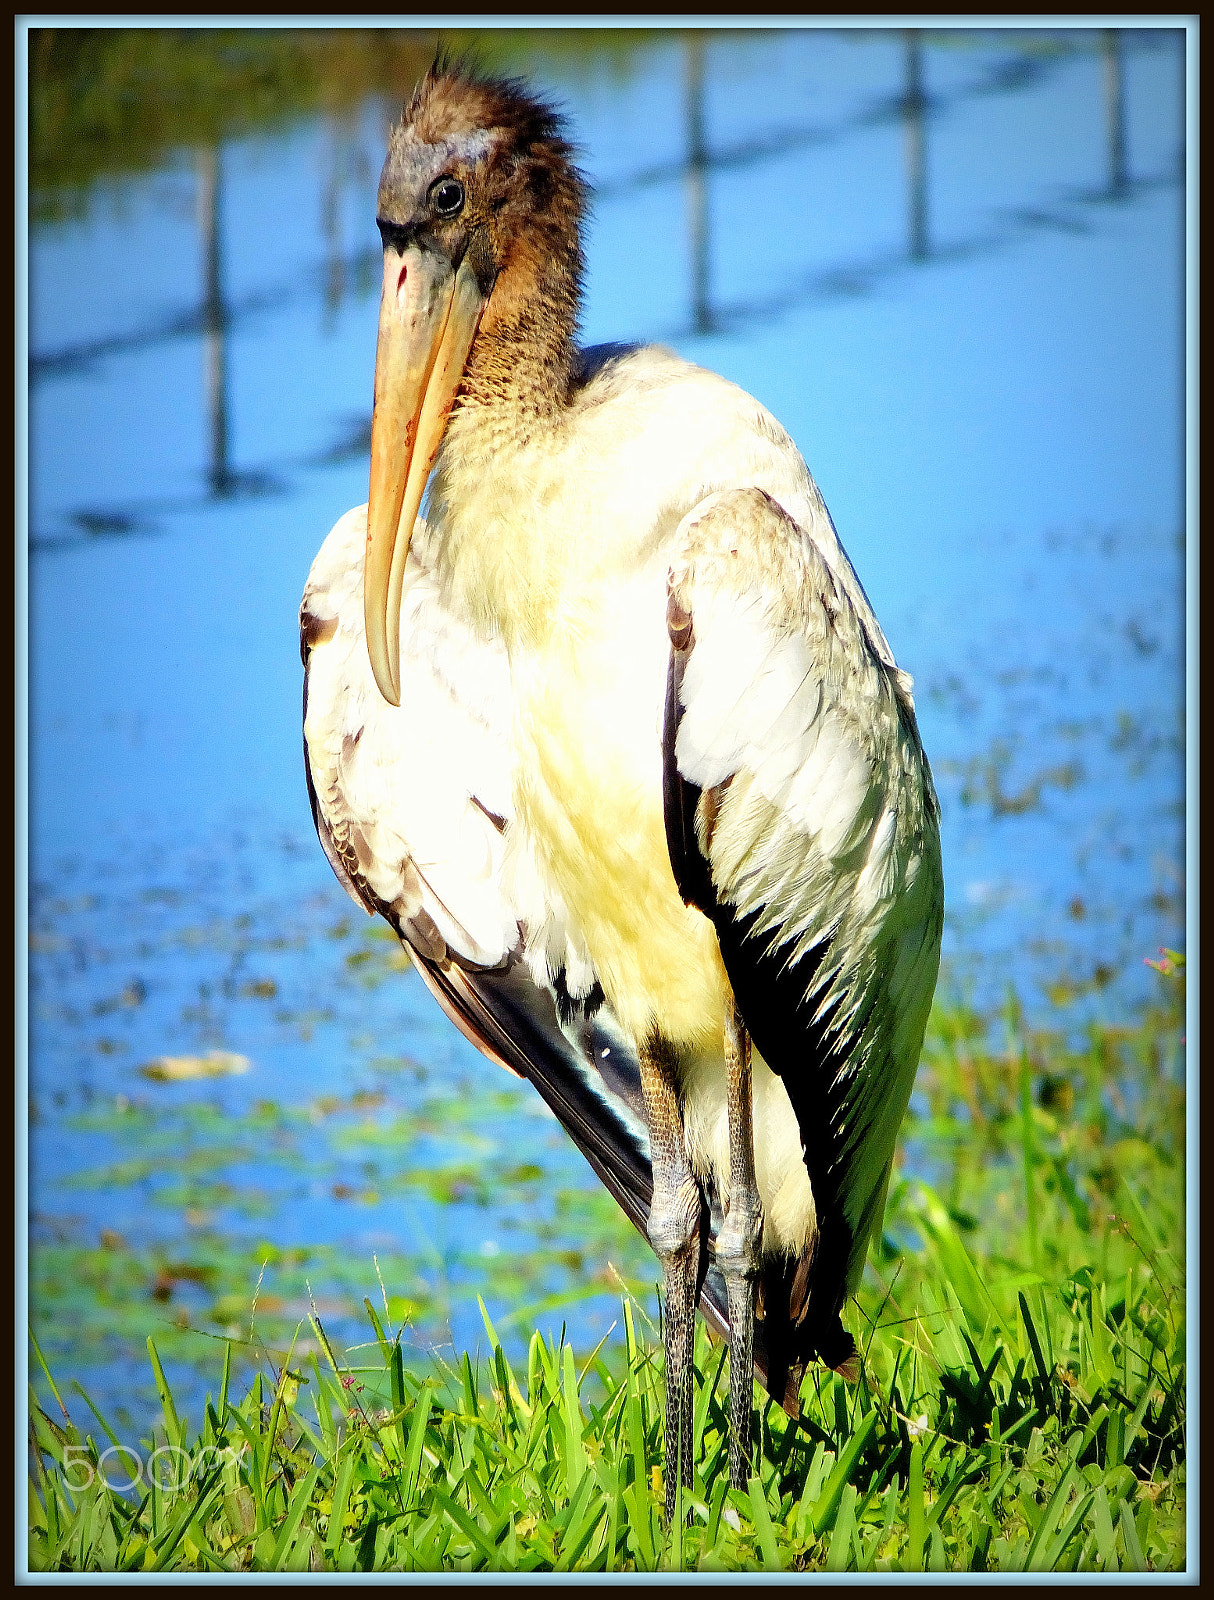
{"type": "Point", "coordinates": [522, 365]}
{"type": "Point", "coordinates": [498, 561]}
{"type": "Point", "coordinates": [500, 556]}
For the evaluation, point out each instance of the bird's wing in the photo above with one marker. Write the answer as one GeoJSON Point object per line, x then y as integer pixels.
{"type": "Point", "coordinates": [413, 808]}
{"type": "Point", "coordinates": [801, 818]}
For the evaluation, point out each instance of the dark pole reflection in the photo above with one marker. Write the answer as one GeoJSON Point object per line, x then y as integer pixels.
{"type": "Point", "coordinates": [214, 317]}
{"type": "Point", "coordinates": [1114, 100]}
{"type": "Point", "coordinates": [330, 223]}
{"type": "Point", "coordinates": [697, 185]}
{"type": "Point", "coordinates": [347, 164]}
{"type": "Point", "coordinates": [914, 119]}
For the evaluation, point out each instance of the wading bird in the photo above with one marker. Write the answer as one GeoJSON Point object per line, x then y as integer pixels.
{"type": "Point", "coordinates": [613, 740]}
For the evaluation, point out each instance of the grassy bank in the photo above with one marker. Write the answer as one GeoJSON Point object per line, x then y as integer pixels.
{"type": "Point", "coordinates": [1021, 1406]}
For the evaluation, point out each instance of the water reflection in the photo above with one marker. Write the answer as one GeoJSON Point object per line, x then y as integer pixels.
{"type": "Point", "coordinates": [223, 482]}
{"type": "Point", "coordinates": [915, 107]}
{"type": "Point", "coordinates": [214, 317]}
{"type": "Point", "coordinates": [698, 168]}
{"type": "Point", "coordinates": [1114, 95]}
{"type": "Point", "coordinates": [348, 167]}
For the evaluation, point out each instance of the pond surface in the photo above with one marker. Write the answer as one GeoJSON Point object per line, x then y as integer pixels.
{"type": "Point", "coordinates": [953, 269]}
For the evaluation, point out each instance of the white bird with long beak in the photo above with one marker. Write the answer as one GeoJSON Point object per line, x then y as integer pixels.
{"type": "Point", "coordinates": [614, 742]}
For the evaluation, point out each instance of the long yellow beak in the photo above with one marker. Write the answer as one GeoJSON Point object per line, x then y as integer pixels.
{"type": "Point", "coordinates": [428, 316]}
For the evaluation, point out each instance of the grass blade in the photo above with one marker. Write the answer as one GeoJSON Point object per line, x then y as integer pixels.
{"type": "Point", "coordinates": [385, 1344]}
{"type": "Point", "coordinates": [172, 1425]}
{"type": "Point", "coordinates": [108, 1431]}
{"type": "Point", "coordinates": [1049, 1518]}
{"type": "Point", "coordinates": [467, 1525]}
{"type": "Point", "coordinates": [1049, 1557]}
{"type": "Point", "coordinates": [398, 1396]}
{"type": "Point", "coordinates": [845, 1531]}
{"type": "Point", "coordinates": [296, 1507]}
{"type": "Point", "coordinates": [960, 1273]}
{"type": "Point", "coordinates": [574, 1423]}
{"type": "Point", "coordinates": [341, 1498]}
{"type": "Point", "coordinates": [222, 1411]}
{"type": "Point", "coordinates": [1106, 1537]}
{"type": "Point", "coordinates": [1129, 1538]}
{"type": "Point", "coordinates": [46, 1372]}
{"type": "Point", "coordinates": [914, 1510]}
{"type": "Point", "coordinates": [763, 1528]}
{"type": "Point", "coordinates": [417, 1435]}
{"type": "Point", "coordinates": [830, 1497]}
{"type": "Point", "coordinates": [180, 1525]}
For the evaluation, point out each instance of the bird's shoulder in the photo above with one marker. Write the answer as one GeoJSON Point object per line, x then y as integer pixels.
{"type": "Point", "coordinates": [660, 387]}
{"type": "Point", "coordinates": [650, 393]}
{"type": "Point", "coordinates": [609, 371]}
{"type": "Point", "coordinates": [660, 436]}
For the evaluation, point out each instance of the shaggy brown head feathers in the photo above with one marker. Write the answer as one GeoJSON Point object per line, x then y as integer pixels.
{"type": "Point", "coordinates": [519, 225]}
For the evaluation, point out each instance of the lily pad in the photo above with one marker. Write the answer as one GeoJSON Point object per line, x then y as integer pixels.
{"type": "Point", "coordinates": [178, 1069]}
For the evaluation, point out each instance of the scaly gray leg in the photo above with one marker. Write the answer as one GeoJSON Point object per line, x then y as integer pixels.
{"type": "Point", "coordinates": [674, 1233]}
{"type": "Point", "coordinates": [738, 1246]}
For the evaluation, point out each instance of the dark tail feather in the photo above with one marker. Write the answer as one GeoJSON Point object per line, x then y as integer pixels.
{"type": "Point", "coordinates": [589, 1078]}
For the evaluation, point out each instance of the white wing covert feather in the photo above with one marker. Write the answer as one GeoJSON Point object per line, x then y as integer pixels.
{"type": "Point", "coordinates": [414, 797]}
{"type": "Point", "coordinates": [801, 817]}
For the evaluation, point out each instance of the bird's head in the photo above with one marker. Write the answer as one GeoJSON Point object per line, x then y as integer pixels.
{"type": "Point", "coordinates": [479, 209]}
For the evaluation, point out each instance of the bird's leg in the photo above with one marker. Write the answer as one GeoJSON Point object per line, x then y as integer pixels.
{"type": "Point", "coordinates": [737, 1246]}
{"type": "Point", "coordinates": [674, 1233]}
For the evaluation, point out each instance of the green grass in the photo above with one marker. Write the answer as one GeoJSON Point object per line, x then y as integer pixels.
{"type": "Point", "coordinates": [1021, 1405]}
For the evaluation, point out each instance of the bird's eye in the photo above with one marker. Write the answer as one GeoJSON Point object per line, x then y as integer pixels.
{"type": "Point", "coordinates": [447, 197]}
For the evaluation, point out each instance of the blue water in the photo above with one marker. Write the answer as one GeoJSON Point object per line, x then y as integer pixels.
{"type": "Point", "coordinates": [996, 425]}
